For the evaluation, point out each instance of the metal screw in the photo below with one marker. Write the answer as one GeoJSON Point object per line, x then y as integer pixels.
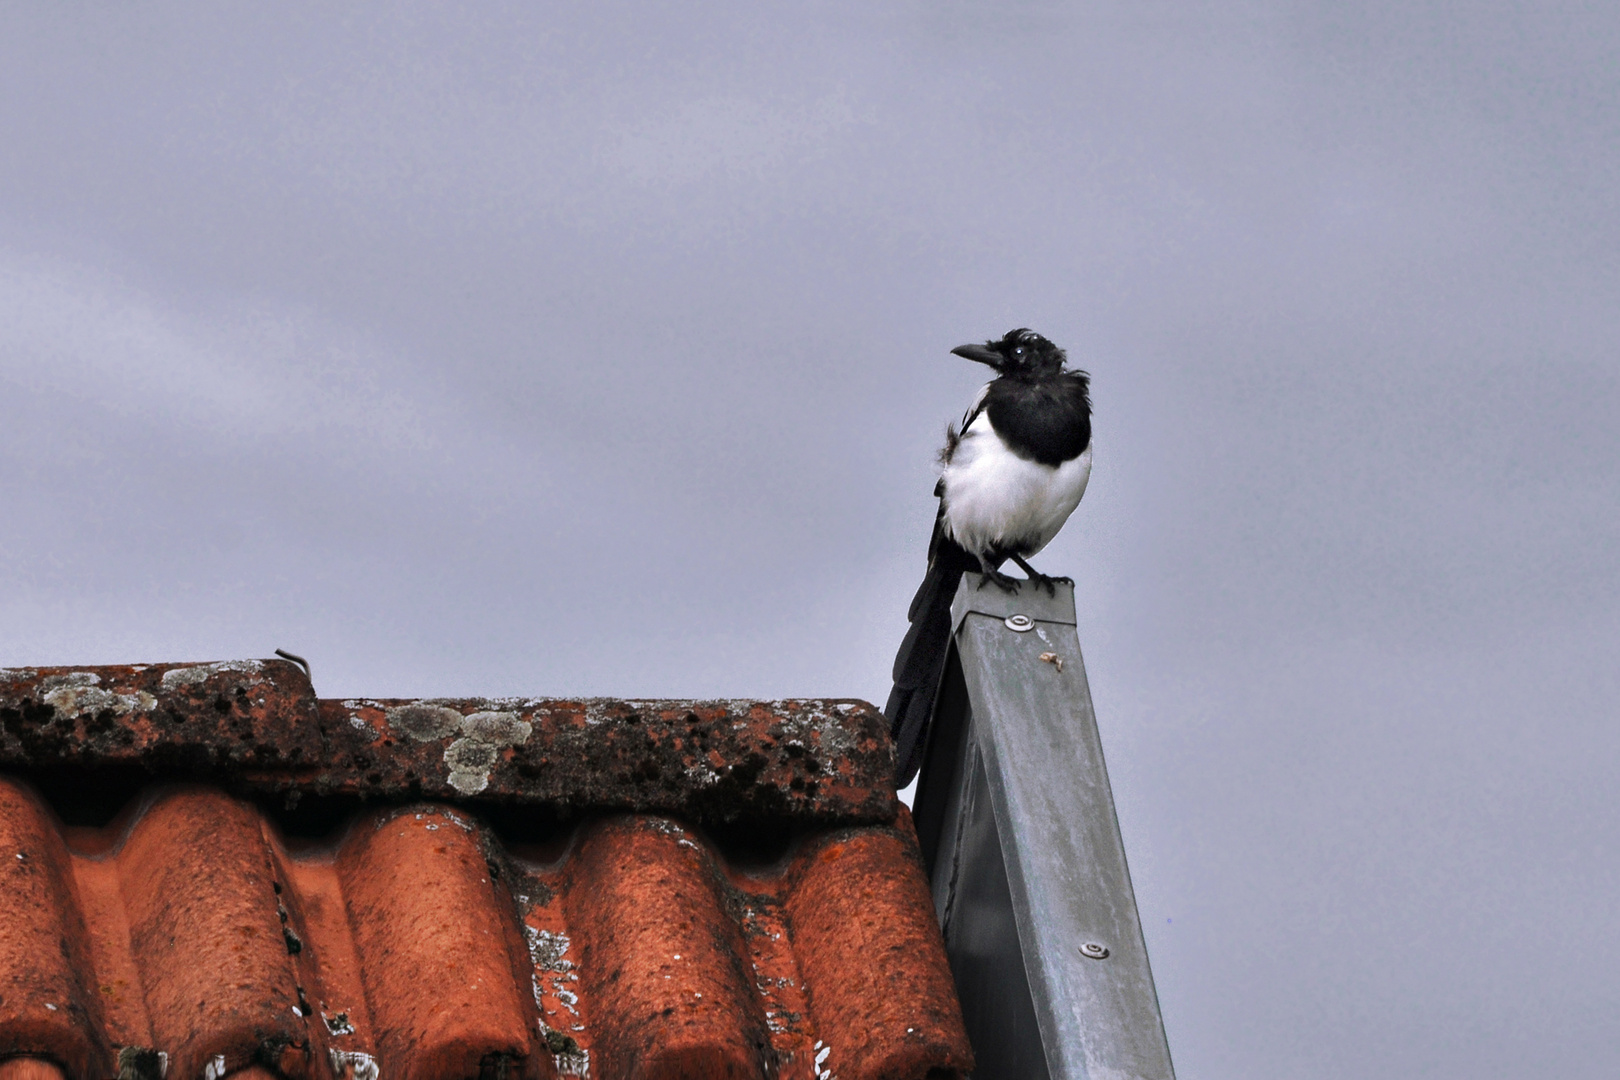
{"type": "Point", "coordinates": [1094, 950]}
{"type": "Point", "coordinates": [1019, 623]}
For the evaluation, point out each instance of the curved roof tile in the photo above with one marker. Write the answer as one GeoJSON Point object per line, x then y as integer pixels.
{"type": "Point", "coordinates": [192, 937]}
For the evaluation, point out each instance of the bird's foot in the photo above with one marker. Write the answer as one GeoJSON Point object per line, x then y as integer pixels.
{"type": "Point", "coordinates": [1042, 581]}
{"type": "Point", "coordinates": [1050, 583]}
{"type": "Point", "coordinates": [1005, 582]}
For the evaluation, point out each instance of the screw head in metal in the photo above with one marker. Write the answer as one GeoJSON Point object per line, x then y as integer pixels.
{"type": "Point", "coordinates": [1094, 950]}
{"type": "Point", "coordinates": [1019, 623]}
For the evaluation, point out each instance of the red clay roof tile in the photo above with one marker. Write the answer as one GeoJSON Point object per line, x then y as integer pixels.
{"type": "Point", "coordinates": [191, 936]}
{"type": "Point", "coordinates": [46, 1004]}
{"type": "Point", "coordinates": [878, 980]}
{"type": "Point", "coordinates": [437, 943]}
{"type": "Point", "coordinates": [255, 726]}
{"type": "Point", "coordinates": [29, 1069]}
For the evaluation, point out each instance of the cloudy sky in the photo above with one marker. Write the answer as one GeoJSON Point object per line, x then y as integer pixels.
{"type": "Point", "coordinates": [602, 349]}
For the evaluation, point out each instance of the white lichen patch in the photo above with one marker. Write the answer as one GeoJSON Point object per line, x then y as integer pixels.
{"type": "Point", "coordinates": [670, 828]}
{"type": "Point", "coordinates": [339, 1024]}
{"type": "Point", "coordinates": [484, 735]}
{"type": "Point", "coordinates": [364, 1066]}
{"type": "Point", "coordinates": [467, 781]}
{"type": "Point", "coordinates": [471, 755]}
{"type": "Point", "coordinates": [603, 711]}
{"type": "Point", "coordinates": [823, 1071]}
{"type": "Point", "coordinates": [77, 693]}
{"type": "Point", "coordinates": [835, 740]}
{"type": "Point", "coordinates": [548, 949]}
{"type": "Point", "coordinates": [551, 978]}
{"type": "Point", "coordinates": [701, 775]}
{"type": "Point", "coordinates": [497, 728]}
{"type": "Point", "coordinates": [424, 721]}
{"type": "Point", "coordinates": [197, 674]}
{"type": "Point", "coordinates": [215, 1069]}
{"type": "Point", "coordinates": [69, 680]}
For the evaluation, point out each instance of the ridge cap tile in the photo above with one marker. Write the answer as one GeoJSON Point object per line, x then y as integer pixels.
{"type": "Point", "coordinates": [256, 727]}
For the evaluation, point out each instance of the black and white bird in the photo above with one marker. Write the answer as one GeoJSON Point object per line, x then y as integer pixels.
{"type": "Point", "coordinates": [1013, 473]}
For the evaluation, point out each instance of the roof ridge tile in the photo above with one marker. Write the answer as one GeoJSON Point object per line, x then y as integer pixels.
{"type": "Point", "coordinates": [256, 727]}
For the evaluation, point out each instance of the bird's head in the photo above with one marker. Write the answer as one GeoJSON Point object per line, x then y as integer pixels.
{"type": "Point", "coordinates": [1020, 352]}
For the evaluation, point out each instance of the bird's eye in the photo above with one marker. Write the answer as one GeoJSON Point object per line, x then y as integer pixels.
{"type": "Point", "coordinates": [1018, 351]}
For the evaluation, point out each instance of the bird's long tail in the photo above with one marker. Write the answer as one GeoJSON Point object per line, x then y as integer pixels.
{"type": "Point", "coordinates": [920, 662]}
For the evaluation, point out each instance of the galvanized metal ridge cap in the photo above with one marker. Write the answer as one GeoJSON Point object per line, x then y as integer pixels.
{"type": "Point", "coordinates": [1031, 601]}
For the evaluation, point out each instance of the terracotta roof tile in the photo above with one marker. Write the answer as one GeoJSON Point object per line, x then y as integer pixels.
{"type": "Point", "coordinates": [864, 933]}
{"type": "Point", "coordinates": [423, 939]}
{"type": "Point", "coordinates": [255, 726]}
{"type": "Point", "coordinates": [438, 946]}
{"type": "Point", "coordinates": [29, 1069]}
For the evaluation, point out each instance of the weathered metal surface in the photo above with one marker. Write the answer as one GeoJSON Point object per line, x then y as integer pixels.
{"type": "Point", "coordinates": [256, 725]}
{"type": "Point", "coordinates": [1017, 824]}
{"type": "Point", "coordinates": [974, 904]}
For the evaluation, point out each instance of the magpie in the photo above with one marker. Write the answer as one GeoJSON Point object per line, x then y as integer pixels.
{"type": "Point", "coordinates": [1011, 475]}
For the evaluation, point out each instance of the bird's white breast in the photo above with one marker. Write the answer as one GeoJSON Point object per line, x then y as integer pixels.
{"type": "Point", "coordinates": [996, 499]}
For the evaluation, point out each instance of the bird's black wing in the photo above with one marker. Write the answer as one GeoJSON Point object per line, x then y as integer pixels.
{"type": "Point", "coordinates": [920, 662]}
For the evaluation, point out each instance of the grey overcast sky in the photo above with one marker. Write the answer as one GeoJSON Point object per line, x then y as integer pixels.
{"type": "Point", "coordinates": [602, 349]}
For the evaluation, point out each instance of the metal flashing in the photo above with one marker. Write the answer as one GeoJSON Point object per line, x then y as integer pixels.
{"type": "Point", "coordinates": [1016, 821]}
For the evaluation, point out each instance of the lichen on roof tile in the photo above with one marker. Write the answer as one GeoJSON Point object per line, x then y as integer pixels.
{"type": "Point", "coordinates": [423, 721]}
{"type": "Point", "coordinates": [405, 937]}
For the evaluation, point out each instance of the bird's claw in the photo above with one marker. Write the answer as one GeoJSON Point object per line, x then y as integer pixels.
{"type": "Point", "coordinates": [1042, 581]}
{"type": "Point", "coordinates": [1050, 583]}
{"type": "Point", "coordinates": [1004, 582]}
{"type": "Point", "coordinates": [1047, 581]}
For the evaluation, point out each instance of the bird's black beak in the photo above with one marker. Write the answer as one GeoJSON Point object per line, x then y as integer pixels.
{"type": "Point", "coordinates": [981, 353]}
